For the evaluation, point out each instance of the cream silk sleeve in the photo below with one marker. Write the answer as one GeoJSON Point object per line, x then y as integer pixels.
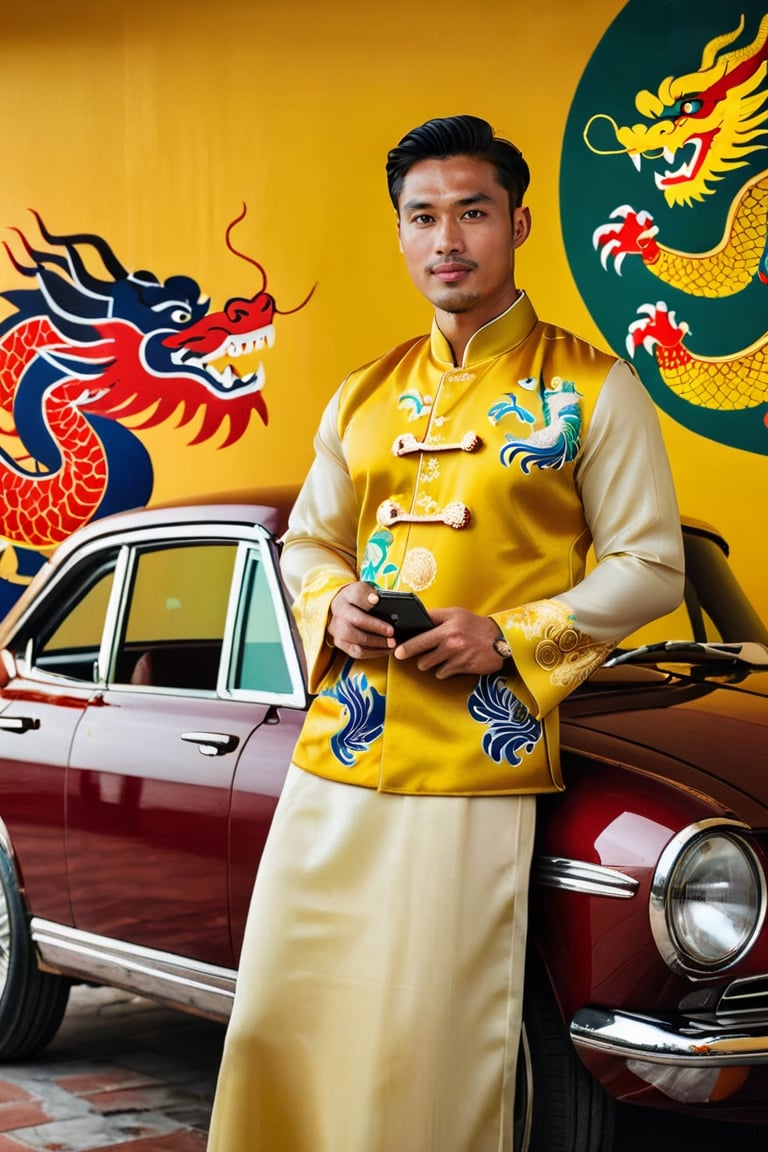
{"type": "Point", "coordinates": [319, 548]}
{"type": "Point", "coordinates": [629, 501]}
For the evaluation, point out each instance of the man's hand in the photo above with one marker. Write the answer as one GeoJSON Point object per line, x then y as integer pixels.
{"type": "Point", "coordinates": [352, 629]}
{"type": "Point", "coordinates": [460, 643]}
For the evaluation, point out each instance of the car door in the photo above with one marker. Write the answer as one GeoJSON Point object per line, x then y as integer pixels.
{"type": "Point", "coordinates": [50, 669]}
{"type": "Point", "coordinates": [263, 668]}
{"type": "Point", "coordinates": [153, 761]}
{"type": "Point", "coordinates": [147, 802]}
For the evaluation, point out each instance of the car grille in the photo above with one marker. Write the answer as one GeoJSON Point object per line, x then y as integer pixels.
{"type": "Point", "coordinates": [744, 999]}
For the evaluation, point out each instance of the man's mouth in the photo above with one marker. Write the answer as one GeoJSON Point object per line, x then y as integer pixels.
{"type": "Point", "coordinates": [451, 271]}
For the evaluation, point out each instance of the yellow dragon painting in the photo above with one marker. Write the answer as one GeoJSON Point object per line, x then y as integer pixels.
{"type": "Point", "coordinates": [702, 125]}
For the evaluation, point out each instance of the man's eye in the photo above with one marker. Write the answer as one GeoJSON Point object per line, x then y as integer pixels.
{"type": "Point", "coordinates": [422, 218]}
{"type": "Point", "coordinates": [473, 213]}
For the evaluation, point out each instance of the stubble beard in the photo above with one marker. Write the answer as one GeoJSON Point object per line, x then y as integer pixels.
{"type": "Point", "coordinates": [456, 303]}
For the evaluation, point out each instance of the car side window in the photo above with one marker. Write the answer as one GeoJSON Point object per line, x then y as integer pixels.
{"type": "Point", "coordinates": [65, 638]}
{"type": "Point", "coordinates": [176, 615]}
{"type": "Point", "coordinates": [259, 662]}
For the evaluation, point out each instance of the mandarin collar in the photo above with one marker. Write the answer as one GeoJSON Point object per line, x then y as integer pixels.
{"type": "Point", "coordinates": [494, 338]}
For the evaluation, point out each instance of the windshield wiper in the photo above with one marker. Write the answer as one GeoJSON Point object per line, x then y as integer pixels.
{"type": "Point", "coordinates": [693, 652]}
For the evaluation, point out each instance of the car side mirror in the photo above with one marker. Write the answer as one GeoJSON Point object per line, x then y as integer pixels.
{"type": "Point", "coordinates": [8, 667]}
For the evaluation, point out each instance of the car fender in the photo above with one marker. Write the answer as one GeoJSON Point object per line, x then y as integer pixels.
{"type": "Point", "coordinates": [592, 931]}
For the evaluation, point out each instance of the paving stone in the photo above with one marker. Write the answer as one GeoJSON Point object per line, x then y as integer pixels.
{"type": "Point", "coordinates": [92, 1131]}
{"type": "Point", "coordinates": [178, 1142]}
{"type": "Point", "coordinates": [123, 1073]}
{"type": "Point", "coordinates": [11, 1093]}
{"type": "Point", "coordinates": [111, 1080]}
{"type": "Point", "coordinates": [23, 1115]}
{"type": "Point", "coordinates": [153, 1098]}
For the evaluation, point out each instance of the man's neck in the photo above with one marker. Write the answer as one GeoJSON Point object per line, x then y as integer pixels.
{"type": "Point", "coordinates": [459, 327]}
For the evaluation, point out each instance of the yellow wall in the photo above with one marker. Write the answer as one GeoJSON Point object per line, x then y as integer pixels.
{"type": "Point", "coordinates": [151, 123]}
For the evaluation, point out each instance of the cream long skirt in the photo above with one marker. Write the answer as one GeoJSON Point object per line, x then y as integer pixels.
{"type": "Point", "coordinates": [379, 999]}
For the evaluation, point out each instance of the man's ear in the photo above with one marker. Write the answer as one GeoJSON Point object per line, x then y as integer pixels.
{"type": "Point", "coordinates": [399, 240]}
{"type": "Point", "coordinates": [521, 225]}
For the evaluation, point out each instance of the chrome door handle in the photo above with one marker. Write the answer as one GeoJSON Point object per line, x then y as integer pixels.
{"type": "Point", "coordinates": [18, 723]}
{"type": "Point", "coordinates": [212, 743]}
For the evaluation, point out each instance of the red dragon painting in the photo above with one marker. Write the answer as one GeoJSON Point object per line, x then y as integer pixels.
{"type": "Point", "coordinates": [85, 352]}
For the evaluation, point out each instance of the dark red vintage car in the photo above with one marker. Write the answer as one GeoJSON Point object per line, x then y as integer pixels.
{"type": "Point", "coordinates": [151, 691]}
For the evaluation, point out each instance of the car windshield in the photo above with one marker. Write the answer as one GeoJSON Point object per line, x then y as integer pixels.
{"type": "Point", "coordinates": [715, 610]}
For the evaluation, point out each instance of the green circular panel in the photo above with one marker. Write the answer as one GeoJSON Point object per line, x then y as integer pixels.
{"type": "Point", "coordinates": [704, 95]}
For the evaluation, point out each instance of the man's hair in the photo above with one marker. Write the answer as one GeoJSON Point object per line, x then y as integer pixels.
{"type": "Point", "coordinates": [458, 136]}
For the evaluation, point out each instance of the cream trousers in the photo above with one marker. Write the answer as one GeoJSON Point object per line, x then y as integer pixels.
{"type": "Point", "coordinates": [379, 999]}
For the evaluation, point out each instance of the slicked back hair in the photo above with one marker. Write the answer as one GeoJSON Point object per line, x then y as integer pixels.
{"type": "Point", "coordinates": [458, 136]}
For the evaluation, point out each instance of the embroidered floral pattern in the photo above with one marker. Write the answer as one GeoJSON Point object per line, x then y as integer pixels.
{"type": "Point", "coordinates": [559, 441]}
{"type": "Point", "coordinates": [569, 655]}
{"type": "Point", "coordinates": [312, 604]}
{"type": "Point", "coordinates": [510, 728]}
{"type": "Point", "coordinates": [563, 650]}
{"type": "Point", "coordinates": [430, 470]}
{"type": "Point", "coordinates": [427, 505]}
{"type": "Point", "coordinates": [363, 708]}
{"type": "Point", "coordinates": [416, 404]}
{"type": "Point", "coordinates": [419, 569]}
{"type": "Point", "coordinates": [375, 567]}
{"type": "Point", "coordinates": [509, 406]}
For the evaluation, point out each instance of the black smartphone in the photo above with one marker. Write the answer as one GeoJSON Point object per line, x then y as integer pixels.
{"type": "Point", "coordinates": [404, 611]}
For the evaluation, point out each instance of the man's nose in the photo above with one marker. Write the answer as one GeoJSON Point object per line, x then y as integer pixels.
{"type": "Point", "coordinates": [449, 237]}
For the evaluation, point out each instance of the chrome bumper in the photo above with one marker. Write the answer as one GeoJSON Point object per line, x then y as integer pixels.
{"type": "Point", "coordinates": [685, 1045]}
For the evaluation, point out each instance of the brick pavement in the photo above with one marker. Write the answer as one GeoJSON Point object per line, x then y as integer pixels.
{"type": "Point", "coordinates": [122, 1073]}
{"type": "Point", "coordinates": [126, 1075]}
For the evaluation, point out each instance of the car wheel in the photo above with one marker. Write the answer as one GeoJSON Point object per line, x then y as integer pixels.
{"type": "Point", "coordinates": [32, 1003]}
{"type": "Point", "coordinates": [558, 1106]}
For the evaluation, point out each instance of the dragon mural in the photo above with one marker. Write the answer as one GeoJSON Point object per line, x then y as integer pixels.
{"type": "Point", "coordinates": [87, 358]}
{"type": "Point", "coordinates": [699, 128]}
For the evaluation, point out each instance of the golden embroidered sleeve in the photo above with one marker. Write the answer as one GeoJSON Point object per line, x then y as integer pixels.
{"type": "Point", "coordinates": [319, 547]}
{"type": "Point", "coordinates": [629, 502]}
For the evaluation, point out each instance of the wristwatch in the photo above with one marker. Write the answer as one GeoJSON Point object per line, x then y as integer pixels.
{"type": "Point", "coordinates": [501, 648]}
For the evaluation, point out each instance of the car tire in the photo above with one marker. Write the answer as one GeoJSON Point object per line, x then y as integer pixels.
{"type": "Point", "coordinates": [32, 1003]}
{"type": "Point", "coordinates": [559, 1107]}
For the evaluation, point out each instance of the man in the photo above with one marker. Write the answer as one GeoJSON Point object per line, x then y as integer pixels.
{"type": "Point", "coordinates": [379, 1001]}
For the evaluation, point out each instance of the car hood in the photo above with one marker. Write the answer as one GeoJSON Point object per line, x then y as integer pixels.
{"type": "Point", "coordinates": [702, 730]}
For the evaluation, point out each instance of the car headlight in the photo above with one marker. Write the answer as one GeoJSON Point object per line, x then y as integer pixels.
{"type": "Point", "coordinates": [707, 898]}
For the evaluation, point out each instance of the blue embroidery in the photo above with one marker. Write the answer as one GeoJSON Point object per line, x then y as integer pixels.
{"type": "Point", "coordinates": [509, 405]}
{"type": "Point", "coordinates": [375, 564]}
{"type": "Point", "coordinates": [558, 442]}
{"type": "Point", "coordinates": [510, 726]}
{"type": "Point", "coordinates": [364, 708]}
{"type": "Point", "coordinates": [415, 404]}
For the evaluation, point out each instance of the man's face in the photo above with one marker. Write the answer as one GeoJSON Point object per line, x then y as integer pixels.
{"type": "Point", "coordinates": [458, 236]}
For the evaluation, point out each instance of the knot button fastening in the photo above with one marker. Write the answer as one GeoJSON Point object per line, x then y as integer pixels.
{"type": "Point", "coordinates": [454, 515]}
{"type": "Point", "coordinates": [470, 442]}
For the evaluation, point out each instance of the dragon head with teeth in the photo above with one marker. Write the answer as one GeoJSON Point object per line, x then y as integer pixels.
{"type": "Point", "coordinates": [153, 348]}
{"type": "Point", "coordinates": [89, 354]}
{"type": "Point", "coordinates": [225, 346]}
{"type": "Point", "coordinates": [699, 125]}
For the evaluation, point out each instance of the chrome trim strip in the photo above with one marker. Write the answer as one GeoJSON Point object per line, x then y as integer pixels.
{"type": "Point", "coordinates": [267, 556]}
{"type": "Point", "coordinates": [118, 598]}
{"type": "Point", "coordinates": [742, 999]}
{"type": "Point", "coordinates": [579, 876]}
{"type": "Point", "coordinates": [183, 983]}
{"type": "Point", "coordinates": [659, 1042]}
{"type": "Point", "coordinates": [662, 933]}
{"type": "Point", "coordinates": [748, 988]}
